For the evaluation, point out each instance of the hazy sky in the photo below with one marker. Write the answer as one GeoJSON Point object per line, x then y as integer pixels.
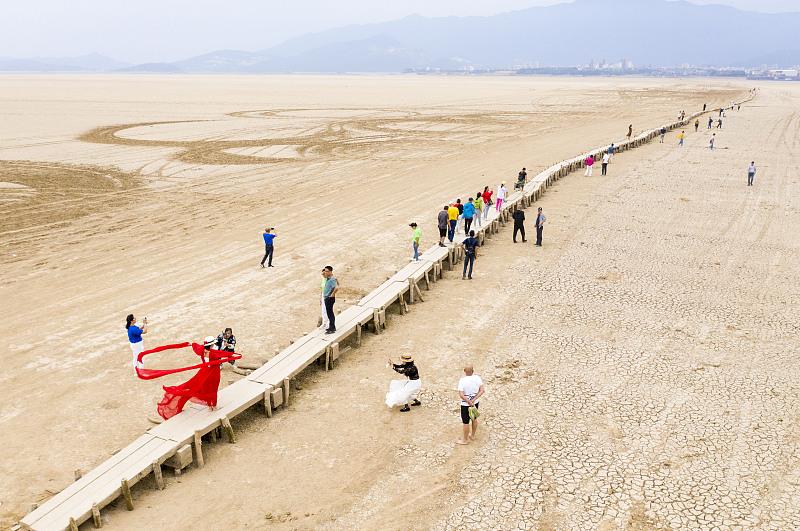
{"type": "Point", "coordinates": [166, 30]}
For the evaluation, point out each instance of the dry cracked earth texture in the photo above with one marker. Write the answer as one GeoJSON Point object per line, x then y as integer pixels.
{"type": "Point", "coordinates": [661, 348]}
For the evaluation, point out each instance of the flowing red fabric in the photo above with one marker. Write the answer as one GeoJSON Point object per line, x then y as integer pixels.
{"type": "Point", "coordinates": [200, 388]}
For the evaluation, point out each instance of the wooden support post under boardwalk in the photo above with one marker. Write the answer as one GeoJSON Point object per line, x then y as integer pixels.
{"type": "Point", "coordinates": [198, 450]}
{"type": "Point", "coordinates": [358, 335]}
{"type": "Point", "coordinates": [286, 384]}
{"type": "Point", "coordinates": [376, 323]}
{"type": "Point", "coordinates": [73, 526]}
{"type": "Point", "coordinates": [267, 402]}
{"type": "Point", "coordinates": [157, 475]}
{"type": "Point", "coordinates": [228, 429]}
{"type": "Point", "coordinates": [97, 520]}
{"type": "Point", "coordinates": [126, 494]}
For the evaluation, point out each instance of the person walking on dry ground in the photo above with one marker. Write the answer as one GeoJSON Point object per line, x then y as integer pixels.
{"type": "Point", "coordinates": [696, 125]}
{"type": "Point", "coordinates": [135, 338]}
{"type": "Point", "coordinates": [751, 173]}
{"type": "Point", "coordinates": [604, 164]}
{"type": "Point", "coordinates": [404, 392]}
{"type": "Point", "coordinates": [470, 391]}
{"type": "Point", "coordinates": [331, 287]}
{"type": "Point", "coordinates": [519, 224]}
{"type": "Point", "coordinates": [442, 220]}
{"type": "Point", "coordinates": [681, 137]}
{"type": "Point", "coordinates": [470, 254]}
{"type": "Point", "coordinates": [589, 162]}
{"type": "Point", "coordinates": [269, 237]}
{"type": "Point", "coordinates": [630, 131]}
{"type": "Point", "coordinates": [710, 122]}
{"type": "Point", "coordinates": [502, 191]}
{"type": "Point", "coordinates": [704, 107]}
{"type": "Point", "coordinates": [711, 142]}
{"type": "Point", "coordinates": [663, 135]}
{"type": "Point", "coordinates": [469, 215]}
{"type": "Point", "coordinates": [540, 220]}
{"type": "Point", "coordinates": [719, 123]}
{"type": "Point", "coordinates": [452, 218]}
{"type": "Point", "coordinates": [416, 236]}
{"type": "Point", "coordinates": [611, 150]}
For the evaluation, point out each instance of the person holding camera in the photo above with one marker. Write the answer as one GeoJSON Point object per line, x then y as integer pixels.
{"type": "Point", "coordinates": [269, 237]}
{"type": "Point", "coordinates": [135, 338]}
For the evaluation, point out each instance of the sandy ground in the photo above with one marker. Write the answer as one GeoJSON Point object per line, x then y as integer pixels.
{"type": "Point", "coordinates": [638, 365]}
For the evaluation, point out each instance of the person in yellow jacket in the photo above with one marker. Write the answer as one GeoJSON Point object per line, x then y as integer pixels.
{"type": "Point", "coordinates": [681, 137]}
{"type": "Point", "coordinates": [452, 217]}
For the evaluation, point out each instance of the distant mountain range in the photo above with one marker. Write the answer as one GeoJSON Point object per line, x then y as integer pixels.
{"type": "Point", "coordinates": [648, 32]}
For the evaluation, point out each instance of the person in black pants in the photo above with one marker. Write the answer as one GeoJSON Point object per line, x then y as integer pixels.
{"type": "Point", "coordinates": [519, 220]}
{"type": "Point", "coordinates": [329, 297]}
{"type": "Point", "coordinates": [540, 219]}
{"type": "Point", "coordinates": [269, 237]}
{"type": "Point", "coordinates": [470, 253]}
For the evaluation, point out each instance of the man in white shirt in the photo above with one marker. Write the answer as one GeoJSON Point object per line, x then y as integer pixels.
{"type": "Point", "coordinates": [751, 173]}
{"type": "Point", "coordinates": [470, 390]}
{"type": "Point", "coordinates": [604, 165]}
{"type": "Point", "coordinates": [502, 191]}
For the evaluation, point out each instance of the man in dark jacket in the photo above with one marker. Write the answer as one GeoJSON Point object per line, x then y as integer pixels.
{"type": "Point", "coordinates": [519, 224]}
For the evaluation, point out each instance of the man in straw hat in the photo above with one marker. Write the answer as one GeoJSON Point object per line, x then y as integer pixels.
{"type": "Point", "coordinates": [470, 390]}
{"type": "Point", "coordinates": [404, 392]}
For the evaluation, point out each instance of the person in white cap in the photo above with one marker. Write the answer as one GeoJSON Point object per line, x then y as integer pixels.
{"type": "Point", "coordinates": [502, 191]}
{"type": "Point", "coordinates": [404, 392]}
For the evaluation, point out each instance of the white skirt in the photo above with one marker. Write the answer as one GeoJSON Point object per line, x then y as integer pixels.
{"type": "Point", "coordinates": [401, 392]}
{"type": "Point", "coordinates": [137, 348]}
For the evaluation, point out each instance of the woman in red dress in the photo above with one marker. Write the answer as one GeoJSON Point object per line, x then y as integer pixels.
{"type": "Point", "coordinates": [201, 388]}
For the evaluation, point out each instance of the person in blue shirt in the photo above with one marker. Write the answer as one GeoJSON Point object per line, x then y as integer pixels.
{"type": "Point", "coordinates": [269, 237]}
{"type": "Point", "coordinates": [135, 337]}
{"type": "Point", "coordinates": [329, 289]}
{"type": "Point", "coordinates": [469, 214]}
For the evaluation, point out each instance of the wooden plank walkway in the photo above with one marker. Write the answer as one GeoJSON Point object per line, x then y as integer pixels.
{"type": "Point", "coordinates": [269, 386]}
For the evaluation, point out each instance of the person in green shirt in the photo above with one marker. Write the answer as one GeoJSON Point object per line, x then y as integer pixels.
{"type": "Point", "coordinates": [415, 239]}
{"type": "Point", "coordinates": [478, 209]}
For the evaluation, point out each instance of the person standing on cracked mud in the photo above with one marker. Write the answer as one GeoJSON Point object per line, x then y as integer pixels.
{"type": "Point", "coordinates": [540, 220]}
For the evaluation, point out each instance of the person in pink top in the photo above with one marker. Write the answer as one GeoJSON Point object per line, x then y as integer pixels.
{"type": "Point", "coordinates": [502, 191]}
{"type": "Point", "coordinates": [589, 165]}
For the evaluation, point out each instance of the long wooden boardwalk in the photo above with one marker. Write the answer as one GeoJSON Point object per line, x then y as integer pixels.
{"type": "Point", "coordinates": [179, 441]}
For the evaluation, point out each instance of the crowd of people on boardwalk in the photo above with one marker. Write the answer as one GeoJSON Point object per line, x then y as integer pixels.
{"type": "Point", "coordinates": [469, 215]}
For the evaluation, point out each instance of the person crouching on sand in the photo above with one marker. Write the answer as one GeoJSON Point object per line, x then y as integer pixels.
{"type": "Point", "coordinates": [135, 338]}
{"type": "Point", "coordinates": [404, 392]}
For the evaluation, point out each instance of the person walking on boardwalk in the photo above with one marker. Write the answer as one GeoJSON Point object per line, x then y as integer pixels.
{"type": "Point", "coordinates": [711, 142]}
{"type": "Point", "coordinates": [502, 191]}
{"type": "Point", "coordinates": [416, 236]}
{"type": "Point", "coordinates": [442, 221]}
{"type": "Point", "coordinates": [452, 219]}
{"type": "Point", "coordinates": [404, 392]}
{"type": "Point", "coordinates": [611, 150]}
{"type": "Point", "coordinates": [630, 131]}
{"type": "Point", "coordinates": [751, 173]}
{"type": "Point", "coordinates": [663, 135]}
{"type": "Point", "coordinates": [469, 214]}
{"type": "Point", "coordinates": [696, 125]}
{"type": "Point", "coordinates": [269, 237]}
{"type": "Point", "coordinates": [604, 164]}
{"type": "Point", "coordinates": [135, 337]}
{"type": "Point", "coordinates": [470, 391]}
{"type": "Point", "coordinates": [519, 224]}
{"type": "Point", "coordinates": [540, 219]}
{"type": "Point", "coordinates": [487, 201]}
{"type": "Point", "coordinates": [478, 209]}
{"type": "Point", "coordinates": [705, 105]}
{"type": "Point", "coordinates": [710, 122]}
{"type": "Point", "coordinates": [681, 137]}
{"type": "Point", "coordinates": [460, 208]}
{"type": "Point", "coordinates": [329, 297]}
{"type": "Point", "coordinates": [470, 254]}
{"type": "Point", "coordinates": [589, 163]}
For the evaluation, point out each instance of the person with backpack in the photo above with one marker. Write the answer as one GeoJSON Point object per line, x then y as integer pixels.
{"type": "Point", "coordinates": [519, 224]}
{"type": "Point", "coordinates": [663, 135]}
{"type": "Point", "coordinates": [470, 253]}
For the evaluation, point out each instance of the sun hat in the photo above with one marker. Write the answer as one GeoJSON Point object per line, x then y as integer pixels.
{"type": "Point", "coordinates": [407, 357]}
{"type": "Point", "coordinates": [209, 341]}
